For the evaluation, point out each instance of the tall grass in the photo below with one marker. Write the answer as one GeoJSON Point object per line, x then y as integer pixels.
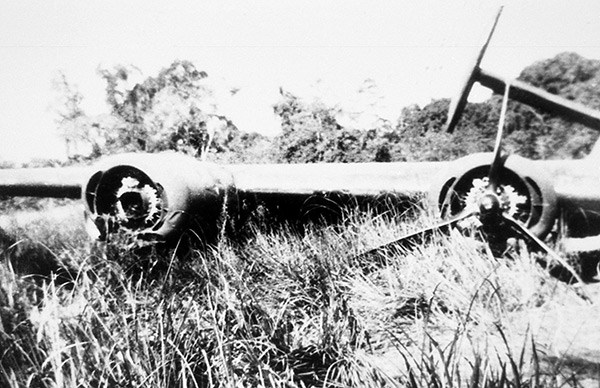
{"type": "Point", "coordinates": [279, 310]}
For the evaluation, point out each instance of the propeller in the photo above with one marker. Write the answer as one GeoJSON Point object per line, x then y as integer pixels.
{"type": "Point", "coordinates": [486, 209]}
{"type": "Point", "coordinates": [421, 236]}
{"type": "Point", "coordinates": [495, 200]}
{"type": "Point", "coordinates": [542, 246]}
{"type": "Point", "coordinates": [507, 197]}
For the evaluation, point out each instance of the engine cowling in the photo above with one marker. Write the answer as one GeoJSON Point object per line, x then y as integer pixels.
{"type": "Point", "coordinates": [525, 191]}
{"type": "Point", "coordinates": [157, 197]}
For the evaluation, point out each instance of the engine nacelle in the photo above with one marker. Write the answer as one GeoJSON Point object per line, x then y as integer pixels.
{"type": "Point", "coordinates": [526, 191]}
{"type": "Point", "coordinates": [157, 197]}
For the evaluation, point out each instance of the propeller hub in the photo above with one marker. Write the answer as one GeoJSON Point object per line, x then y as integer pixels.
{"type": "Point", "coordinates": [489, 203]}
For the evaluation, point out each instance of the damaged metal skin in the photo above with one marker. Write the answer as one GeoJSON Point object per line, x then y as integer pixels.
{"type": "Point", "coordinates": [156, 198]}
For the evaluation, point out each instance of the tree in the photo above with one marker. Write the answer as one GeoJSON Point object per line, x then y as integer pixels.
{"type": "Point", "coordinates": [73, 125]}
{"type": "Point", "coordinates": [311, 133]}
{"type": "Point", "coordinates": [562, 73]}
{"type": "Point", "coordinates": [242, 147]}
{"type": "Point", "coordinates": [528, 131]}
{"type": "Point", "coordinates": [305, 128]}
{"type": "Point", "coordinates": [421, 136]}
{"type": "Point", "coordinates": [176, 110]}
{"type": "Point", "coordinates": [575, 78]}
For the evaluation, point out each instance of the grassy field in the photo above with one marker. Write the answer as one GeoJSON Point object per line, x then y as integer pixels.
{"type": "Point", "coordinates": [281, 309]}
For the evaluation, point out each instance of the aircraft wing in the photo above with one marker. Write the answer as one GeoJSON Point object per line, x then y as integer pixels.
{"type": "Point", "coordinates": [65, 182]}
{"type": "Point", "coordinates": [357, 179]}
{"type": "Point", "coordinates": [197, 189]}
{"type": "Point", "coordinates": [160, 195]}
{"type": "Point", "coordinates": [312, 191]}
{"type": "Point", "coordinates": [575, 181]}
{"type": "Point", "coordinates": [577, 187]}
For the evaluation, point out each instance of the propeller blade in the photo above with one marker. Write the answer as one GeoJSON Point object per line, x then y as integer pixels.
{"type": "Point", "coordinates": [457, 105]}
{"type": "Point", "coordinates": [422, 235]}
{"type": "Point", "coordinates": [446, 206]}
{"type": "Point", "coordinates": [539, 98]}
{"type": "Point", "coordinates": [498, 162]}
{"type": "Point", "coordinates": [533, 239]}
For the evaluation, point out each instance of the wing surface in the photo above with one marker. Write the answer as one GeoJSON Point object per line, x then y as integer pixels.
{"type": "Point", "coordinates": [576, 182]}
{"type": "Point", "coordinates": [65, 182]}
{"type": "Point", "coordinates": [357, 179]}
{"type": "Point", "coordinates": [315, 191]}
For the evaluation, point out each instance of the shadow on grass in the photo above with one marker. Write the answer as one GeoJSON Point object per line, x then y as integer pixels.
{"type": "Point", "coordinates": [572, 368]}
{"type": "Point", "coordinates": [30, 258]}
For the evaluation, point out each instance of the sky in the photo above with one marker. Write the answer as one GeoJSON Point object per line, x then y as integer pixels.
{"type": "Point", "coordinates": [413, 51]}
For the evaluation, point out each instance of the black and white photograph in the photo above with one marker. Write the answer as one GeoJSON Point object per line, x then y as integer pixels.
{"type": "Point", "coordinates": [299, 194]}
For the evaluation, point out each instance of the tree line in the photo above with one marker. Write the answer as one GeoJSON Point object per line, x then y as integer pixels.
{"type": "Point", "coordinates": [178, 110]}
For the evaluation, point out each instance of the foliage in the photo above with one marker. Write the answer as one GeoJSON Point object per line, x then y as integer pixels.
{"type": "Point", "coordinates": [281, 310]}
{"type": "Point", "coordinates": [241, 147]}
{"type": "Point", "coordinates": [311, 133]}
{"type": "Point", "coordinates": [173, 111]}
{"type": "Point", "coordinates": [575, 78]}
{"type": "Point", "coordinates": [178, 110]}
{"type": "Point", "coordinates": [422, 134]}
{"type": "Point", "coordinates": [563, 73]}
{"type": "Point", "coordinates": [74, 126]}
{"type": "Point", "coordinates": [528, 131]}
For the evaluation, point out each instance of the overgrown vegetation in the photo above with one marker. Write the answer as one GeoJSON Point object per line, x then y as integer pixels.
{"type": "Point", "coordinates": [311, 132]}
{"type": "Point", "coordinates": [180, 109]}
{"type": "Point", "coordinates": [280, 309]}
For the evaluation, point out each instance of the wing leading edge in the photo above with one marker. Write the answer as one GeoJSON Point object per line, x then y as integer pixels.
{"type": "Point", "coordinates": [48, 182]}
{"type": "Point", "coordinates": [159, 194]}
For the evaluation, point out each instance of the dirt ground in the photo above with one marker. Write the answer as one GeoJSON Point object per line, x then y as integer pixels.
{"type": "Point", "coordinates": [567, 334]}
